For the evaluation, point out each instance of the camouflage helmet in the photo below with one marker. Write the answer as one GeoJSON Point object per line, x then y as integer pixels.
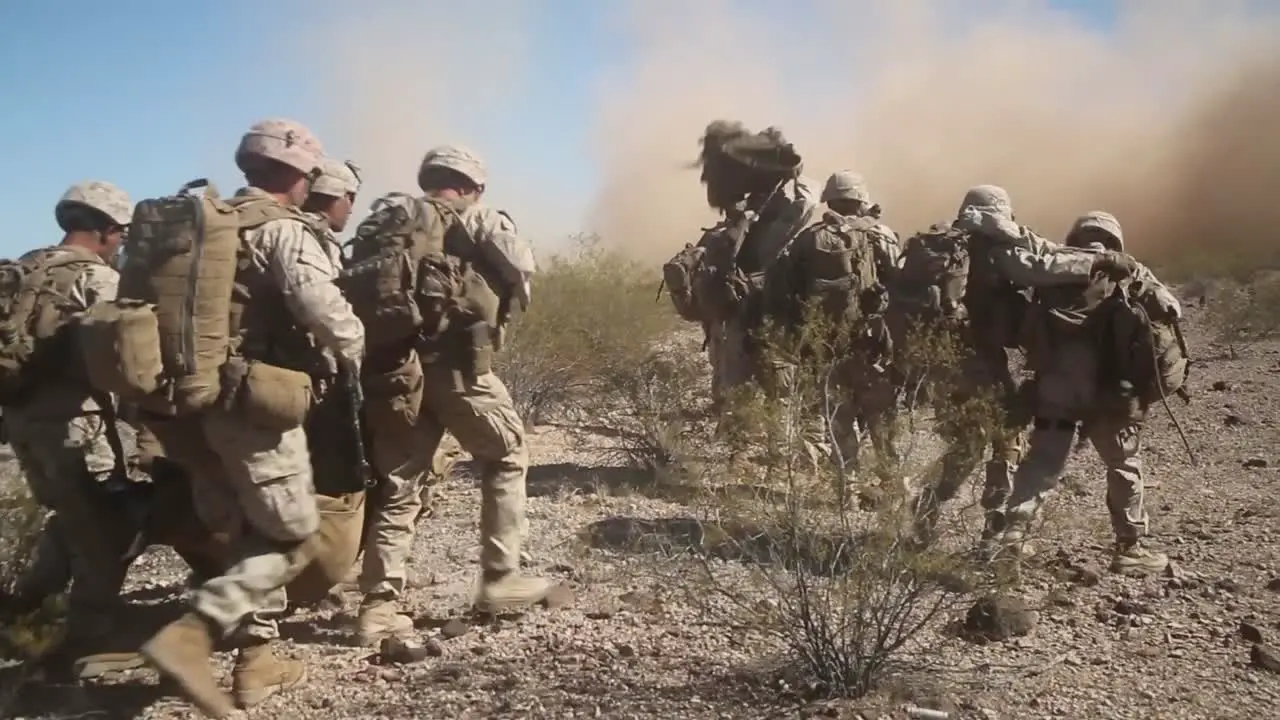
{"type": "Point", "coordinates": [284, 141]}
{"type": "Point", "coordinates": [337, 179]}
{"type": "Point", "coordinates": [1103, 221]}
{"type": "Point", "coordinates": [989, 197]}
{"type": "Point", "coordinates": [97, 195]}
{"type": "Point", "coordinates": [458, 159]}
{"type": "Point", "coordinates": [846, 185]}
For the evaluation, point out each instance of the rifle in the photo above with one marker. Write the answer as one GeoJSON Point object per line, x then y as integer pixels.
{"type": "Point", "coordinates": [350, 380]}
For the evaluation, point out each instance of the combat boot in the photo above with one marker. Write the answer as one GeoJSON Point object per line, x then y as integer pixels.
{"type": "Point", "coordinates": [258, 674]}
{"type": "Point", "coordinates": [1131, 558]}
{"type": "Point", "coordinates": [380, 618]}
{"type": "Point", "coordinates": [181, 651]}
{"type": "Point", "coordinates": [503, 592]}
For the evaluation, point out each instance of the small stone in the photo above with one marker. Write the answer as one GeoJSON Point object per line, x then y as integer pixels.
{"type": "Point", "coordinates": [1256, 463]}
{"type": "Point", "coordinates": [1221, 385]}
{"type": "Point", "coordinates": [1274, 585]}
{"type": "Point", "coordinates": [1265, 657]}
{"type": "Point", "coordinates": [997, 618]}
{"type": "Point", "coordinates": [1250, 632]}
{"type": "Point", "coordinates": [455, 628]}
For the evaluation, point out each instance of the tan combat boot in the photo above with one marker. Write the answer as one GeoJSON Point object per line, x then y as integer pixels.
{"type": "Point", "coordinates": [258, 674]}
{"type": "Point", "coordinates": [380, 618]}
{"type": "Point", "coordinates": [510, 592]}
{"type": "Point", "coordinates": [1131, 558]}
{"type": "Point", "coordinates": [181, 651]}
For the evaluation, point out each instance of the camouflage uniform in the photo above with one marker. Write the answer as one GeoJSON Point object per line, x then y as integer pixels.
{"type": "Point", "coordinates": [1068, 393]}
{"type": "Point", "coordinates": [730, 348]}
{"type": "Point", "coordinates": [482, 417]}
{"type": "Point", "coordinates": [63, 435]}
{"type": "Point", "coordinates": [260, 482]}
{"type": "Point", "coordinates": [874, 403]}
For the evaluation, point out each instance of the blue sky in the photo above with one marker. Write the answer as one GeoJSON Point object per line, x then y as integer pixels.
{"type": "Point", "coordinates": [149, 94]}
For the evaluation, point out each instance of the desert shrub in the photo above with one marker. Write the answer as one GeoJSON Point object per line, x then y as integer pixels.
{"type": "Point", "coordinates": [24, 631]}
{"type": "Point", "coordinates": [1243, 313]}
{"type": "Point", "coordinates": [846, 591]}
{"type": "Point", "coordinates": [593, 313]}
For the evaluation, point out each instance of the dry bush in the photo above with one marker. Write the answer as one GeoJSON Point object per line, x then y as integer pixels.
{"type": "Point", "coordinates": [23, 632]}
{"type": "Point", "coordinates": [1243, 313]}
{"type": "Point", "coordinates": [845, 592]}
{"type": "Point", "coordinates": [593, 311]}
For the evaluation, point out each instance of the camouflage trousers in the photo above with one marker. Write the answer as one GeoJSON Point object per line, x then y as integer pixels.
{"type": "Point", "coordinates": [731, 362]}
{"type": "Point", "coordinates": [65, 461]}
{"type": "Point", "coordinates": [256, 487]}
{"type": "Point", "coordinates": [1067, 391]}
{"type": "Point", "coordinates": [483, 420]}
{"type": "Point", "coordinates": [968, 437]}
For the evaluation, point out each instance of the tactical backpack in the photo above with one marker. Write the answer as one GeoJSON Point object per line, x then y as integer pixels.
{"type": "Point", "coordinates": [165, 340]}
{"type": "Point", "coordinates": [931, 282]}
{"type": "Point", "coordinates": [410, 280]}
{"type": "Point", "coordinates": [677, 278]}
{"type": "Point", "coordinates": [719, 284]}
{"type": "Point", "coordinates": [833, 264]}
{"type": "Point", "coordinates": [1146, 347]}
{"type": "Point", "coordinates": [35, 307]}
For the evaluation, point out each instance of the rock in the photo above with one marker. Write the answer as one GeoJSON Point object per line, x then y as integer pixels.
{"type": "Point", "coordinates": [1265, 657]}
{"type": "Point", "coordinates": [1250, 632]}
{"type": "Point", "coordinates": [1234, 420]}
{"type": "Point", "coordinates": [1256, 463]}
{"type": "Point", "coordinates": [1221, 386]}
{"type": "Point", "coordinates": [998, 618]}
{"type": "Point", "coordinates": [394, 650]}
{"type": "Point", "coordinates": [1084, 576]}
{"type": "Point", "coordinates": [1274, 585]}
{"type": "Point", "coordinates": [453, 629]}
{"type": "Point", "coordinates": [433, 647]}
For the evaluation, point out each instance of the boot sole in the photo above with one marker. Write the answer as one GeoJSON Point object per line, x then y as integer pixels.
{"type": "Point", "coordinates": [210, 700]}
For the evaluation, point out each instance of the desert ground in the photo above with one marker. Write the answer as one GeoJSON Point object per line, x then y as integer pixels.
{"type": "Point", "coordinates": [636, 644]}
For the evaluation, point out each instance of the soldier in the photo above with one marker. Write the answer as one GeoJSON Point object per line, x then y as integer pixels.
{"type": "Point", "coordinates": [63, 433]}
{"type": "Point", "coordinates": [472, 405]}
{"type": "Point", "coordinates": [1006, 261]}
{"type": "Point", "coordinates": [1071, 365]}
{"type": "Point", "coordinates": [294, 309]}
{"type": "Point", "coordinates": [755, 181]}
{"type": "Point", "coordinates": [846, 193]}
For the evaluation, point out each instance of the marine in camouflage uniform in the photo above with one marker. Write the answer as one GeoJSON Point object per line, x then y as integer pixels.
{"type": "Point", "coordinates": [64, 437]}
{"type": "Point", "coordinates": [476, 410]}
{"type": "Point", "coordinates": [256, 482]}
{"type": "Point", "coordinates": [1007, 261]}
{"type": "Point", "coordinates": [875, 404]}
{"type": "Point", "coordinates": [1068, 393]}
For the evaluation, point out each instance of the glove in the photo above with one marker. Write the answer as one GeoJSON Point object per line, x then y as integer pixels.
{"type": "Point", "coordinates": [1115, 265]}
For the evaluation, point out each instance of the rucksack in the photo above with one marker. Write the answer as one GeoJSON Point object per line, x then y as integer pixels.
{"type": "Point", "coordinates": [164, 341]}
{"type": "Point", "coordinates": [408, 278]}
{"type": "Point", "coordinates": [931, 281]}
{"type": "Point", "coordinates": [719, 285]}
{"type": "Point", "coordinates": [35, 308]}
{"type": "Point", "coordinates": [1145, 343]}
{"type": "Point", "coordinates": [677, 278]}
{"type": "Point", "coordinates": [831, 263]}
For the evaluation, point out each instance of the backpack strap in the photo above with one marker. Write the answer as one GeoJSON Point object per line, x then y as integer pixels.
{"type": "Point", "coordinates": [255, 211]}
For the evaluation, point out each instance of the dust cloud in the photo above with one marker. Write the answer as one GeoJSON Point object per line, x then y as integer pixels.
{"type": "Point", "coordinates": [1168, 118]}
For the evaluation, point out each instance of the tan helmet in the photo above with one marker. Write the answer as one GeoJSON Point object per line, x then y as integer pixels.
{"type": "Point", "coordinates": [285, 141]}
{"type": "Point", "coordinates": [337, 179]}
{"type": "Point", "coordinates": [1104, 221]}
{"type": "Point", "coordinates": [846, 185]}
{"type": "Point", "coordinates": [98, 195]}
{"type": "Point", "coordinates": [459, 159]}
{"type": "Point", "coordinates": [992, 197]}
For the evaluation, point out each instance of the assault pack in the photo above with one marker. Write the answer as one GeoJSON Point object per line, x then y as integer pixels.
{"type": "Point", "coordinates": [832, 264]}
{"type": "Point", "coordinates": [931, 282]}
{"type": "Point", "coordinates": [35, 307]}
{"type": "Point", "coordinates": [166, 341]}
{"type": "Point", "coordinates": [413, 277]}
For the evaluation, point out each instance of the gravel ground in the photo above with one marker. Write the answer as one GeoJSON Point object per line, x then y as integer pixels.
{"type": "Point", "coordinates": [633, 646]}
